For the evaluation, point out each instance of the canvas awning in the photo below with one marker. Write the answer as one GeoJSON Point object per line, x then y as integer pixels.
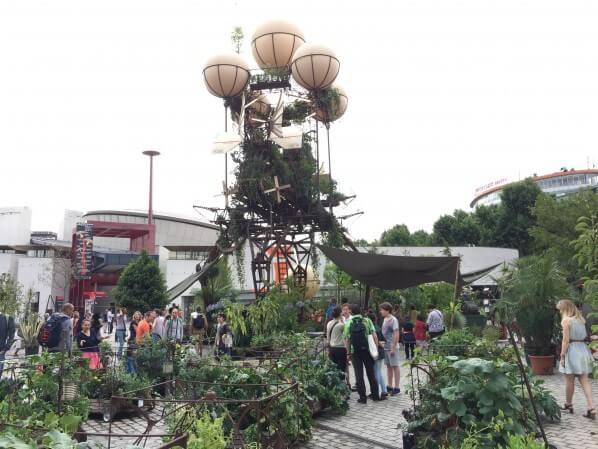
{"type": "Point", "coordinates": [394, 272]}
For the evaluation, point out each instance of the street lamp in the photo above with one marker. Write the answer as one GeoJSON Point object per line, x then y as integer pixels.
{"type": "Point", "coordinates": [151, 154]}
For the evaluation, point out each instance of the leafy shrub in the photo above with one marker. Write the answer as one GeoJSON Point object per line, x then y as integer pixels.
{"type": "Point", "coordinates": [476, 394]}
{"type": "Point", "coordinates": [207, 433]}
{"type": "Point", "coordinates": [455, 342]}
{"type": "Point", "coordinates": [491, 334]}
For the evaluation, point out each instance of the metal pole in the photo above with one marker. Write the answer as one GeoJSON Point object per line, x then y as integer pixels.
{"type": "Point", "coordinates": [150, 212]}
{"type": "Point", "coordinates": [225, 154]}
{"type": "Point", "coordinates": [151, 181]}
{"type": "Point", "coordinates": [317, 148]}
{"type": "Point", "coordinates": [61, 374]}
{"type": "Point", "coordinates": [527, 384]}
{"type": "Point", "coordinates": [329, 166]}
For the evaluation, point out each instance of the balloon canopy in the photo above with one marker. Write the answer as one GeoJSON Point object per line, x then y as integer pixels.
{"type": "Point", "coordinates": [274, 43]}
{"type": "Point", "coordinates": [314, 67]}
{"type": "Point", "coordinates": [226, 75]}
{"type": "Point", "coordinates": [336, 107]}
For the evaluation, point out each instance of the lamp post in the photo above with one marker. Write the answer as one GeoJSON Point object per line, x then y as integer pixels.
{"type": "Point", "coordinates": [151, 154]}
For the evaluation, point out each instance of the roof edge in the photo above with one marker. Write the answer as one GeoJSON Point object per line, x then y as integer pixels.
{"type": "Point", "coordinates": [156, 216]}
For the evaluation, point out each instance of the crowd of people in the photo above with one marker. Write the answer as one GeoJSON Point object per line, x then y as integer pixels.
{"type": "Point", "coordinates": [368, 341]}
{"type": "Point", "coordinates": [131, 332]}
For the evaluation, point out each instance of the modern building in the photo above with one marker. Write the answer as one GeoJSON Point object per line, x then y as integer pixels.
{"type": "Point", "coordinates": [558, 184]}
{"type": "Point", "coordinates": [42, 262]}
{"type": "Point", "coordinates": [179, 244]}
{"type": "Point", "coordinates": [37, 260]}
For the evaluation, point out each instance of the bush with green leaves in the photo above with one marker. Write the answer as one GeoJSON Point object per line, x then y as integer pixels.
{"type": "Point", "coordinates": [454, 342]}
{"type": "Point", "coordinates": [207, 433]}
{"type": "Point", "coordinates": [467, 394]}
{"type": "Point", "coordinates": [141, 286]}
{"type": "Point", "coordinates": [53, 439]}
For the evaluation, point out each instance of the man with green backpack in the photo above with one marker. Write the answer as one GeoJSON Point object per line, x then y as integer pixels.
{"type": "Point", "coordinates": [356, 332]}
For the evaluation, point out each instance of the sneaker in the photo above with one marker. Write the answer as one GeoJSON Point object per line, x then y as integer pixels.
{"type": "Point", "coordinates": [384, 395]}
{"type": "Point", "coordinates": [395, 391]}
{"type": "Point", "coordinates": [362, 400]}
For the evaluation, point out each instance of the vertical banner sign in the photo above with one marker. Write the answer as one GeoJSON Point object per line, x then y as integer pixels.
{"type": "Point", "coordinates": [83, 251]}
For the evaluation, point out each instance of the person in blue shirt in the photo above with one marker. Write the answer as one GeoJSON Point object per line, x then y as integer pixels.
{"type": "Point", "coordinates": [330, 309]}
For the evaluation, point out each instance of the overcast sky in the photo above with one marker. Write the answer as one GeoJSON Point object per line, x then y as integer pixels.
{"type": "Point", "coordinates": [444, 96]}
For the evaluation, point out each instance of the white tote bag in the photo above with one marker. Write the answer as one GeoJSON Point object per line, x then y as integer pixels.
{"type": "Point", "coordinates": [372, 347]}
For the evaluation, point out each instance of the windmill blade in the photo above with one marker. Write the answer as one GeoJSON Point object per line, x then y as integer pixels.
{"type": "Point", "coordinates": [226, 142]}
{"type": "Point", "coordinates": [250, 103]}
{"type": "Point", "coordinates": [291, 138]}
{"type": "Point", "coordinates": [276, 119]}
{"type": "Point", "coordinates": [242, 116]}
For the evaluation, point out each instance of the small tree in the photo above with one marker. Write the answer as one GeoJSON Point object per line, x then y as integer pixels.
{"type": "Point", "coordinates": [141, 286]}
{"type": "Point", "coordinates": [236, 38]}
{"type": "Point", "coordinates": [10, 294]}
{"type": "Point", "coordinates": [333, 275]}
{"type": "Point", "coordinates": [216, 285]}
{"type": "Point", "coordinates": [58, 274]}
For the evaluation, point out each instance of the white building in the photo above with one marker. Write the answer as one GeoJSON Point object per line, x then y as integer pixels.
{"type": "Point", "coordinates": [41, 262]}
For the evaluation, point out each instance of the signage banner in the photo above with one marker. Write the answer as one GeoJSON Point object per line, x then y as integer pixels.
{"type": "Point", "coordinates": [83, 251]}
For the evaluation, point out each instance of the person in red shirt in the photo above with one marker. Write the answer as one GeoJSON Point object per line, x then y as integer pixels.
{"type": "Point", "coordinates": [420, 331]}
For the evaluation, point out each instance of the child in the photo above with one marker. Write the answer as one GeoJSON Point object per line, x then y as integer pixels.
{"type": "Point", "coordinates": [408, 339]}
{"type": "Point", "coordinates": [420, 331]}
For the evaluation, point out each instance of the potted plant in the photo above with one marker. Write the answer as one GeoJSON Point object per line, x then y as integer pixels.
{"type": "Point", "coordinates": [530, 291]}
{"type": "Point", "coordinates": [29, 327]}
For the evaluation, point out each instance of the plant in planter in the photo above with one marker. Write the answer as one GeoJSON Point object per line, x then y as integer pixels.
{"type": "Point", "coordinates": [29, 326]}
{"type": "Point", "coordinates": [530, 292]}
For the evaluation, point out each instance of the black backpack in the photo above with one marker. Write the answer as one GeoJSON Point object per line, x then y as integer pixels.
{"type": "Point", "coordinates": [358, 335]}
{"type": "Point", "coordinates": [199, 322]}
{"type": "Point", "coordinates": [50, 333]}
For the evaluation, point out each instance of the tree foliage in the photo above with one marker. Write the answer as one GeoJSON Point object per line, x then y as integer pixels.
{"type": "Point", "coordinates": [458, 229]}
{"type": "Point", "coordinates": [555, 227]}
{"type": "Point", "coordinates": [10, 294]}
{"type": "Point", "coordinates": [141, 286]}
{"type": "Point", "coordinates": [516, 218]}
{"type": "Point", "coordinates": [342, 281]}
{"type": "Point", "coordinates": [399, 235]}
{"type": "Point", "coordinates": [216, 285]}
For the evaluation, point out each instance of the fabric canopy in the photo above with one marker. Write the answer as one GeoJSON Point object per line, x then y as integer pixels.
{"type": "Point", "coordinates": [394, 272]}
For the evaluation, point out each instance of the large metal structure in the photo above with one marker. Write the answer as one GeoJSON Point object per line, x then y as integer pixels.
{"type": "Point", "coordinates": [281, 199]}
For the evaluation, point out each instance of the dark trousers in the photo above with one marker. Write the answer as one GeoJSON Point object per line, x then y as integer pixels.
{"type": "Point", "coordinates": [363, 360]}
{"type": "Point", "coordinates": [338, 356]}
{"type": "Point", "coordinates": [409, 349]}
{"type": "Point", "coordinates": [434, 335]}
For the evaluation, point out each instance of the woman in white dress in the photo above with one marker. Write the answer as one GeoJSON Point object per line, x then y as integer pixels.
{"type": "Point", "coordinates": [576, 358]}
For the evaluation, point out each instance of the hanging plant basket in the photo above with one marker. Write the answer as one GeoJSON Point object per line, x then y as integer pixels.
{"type": "Point", "coordinates": [70, 391]}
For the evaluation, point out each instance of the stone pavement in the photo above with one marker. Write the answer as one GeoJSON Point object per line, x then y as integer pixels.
{"type": "Point", "coordinates": [574, 431]}
{"type": "Point", "coordinates": [127, 427]}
